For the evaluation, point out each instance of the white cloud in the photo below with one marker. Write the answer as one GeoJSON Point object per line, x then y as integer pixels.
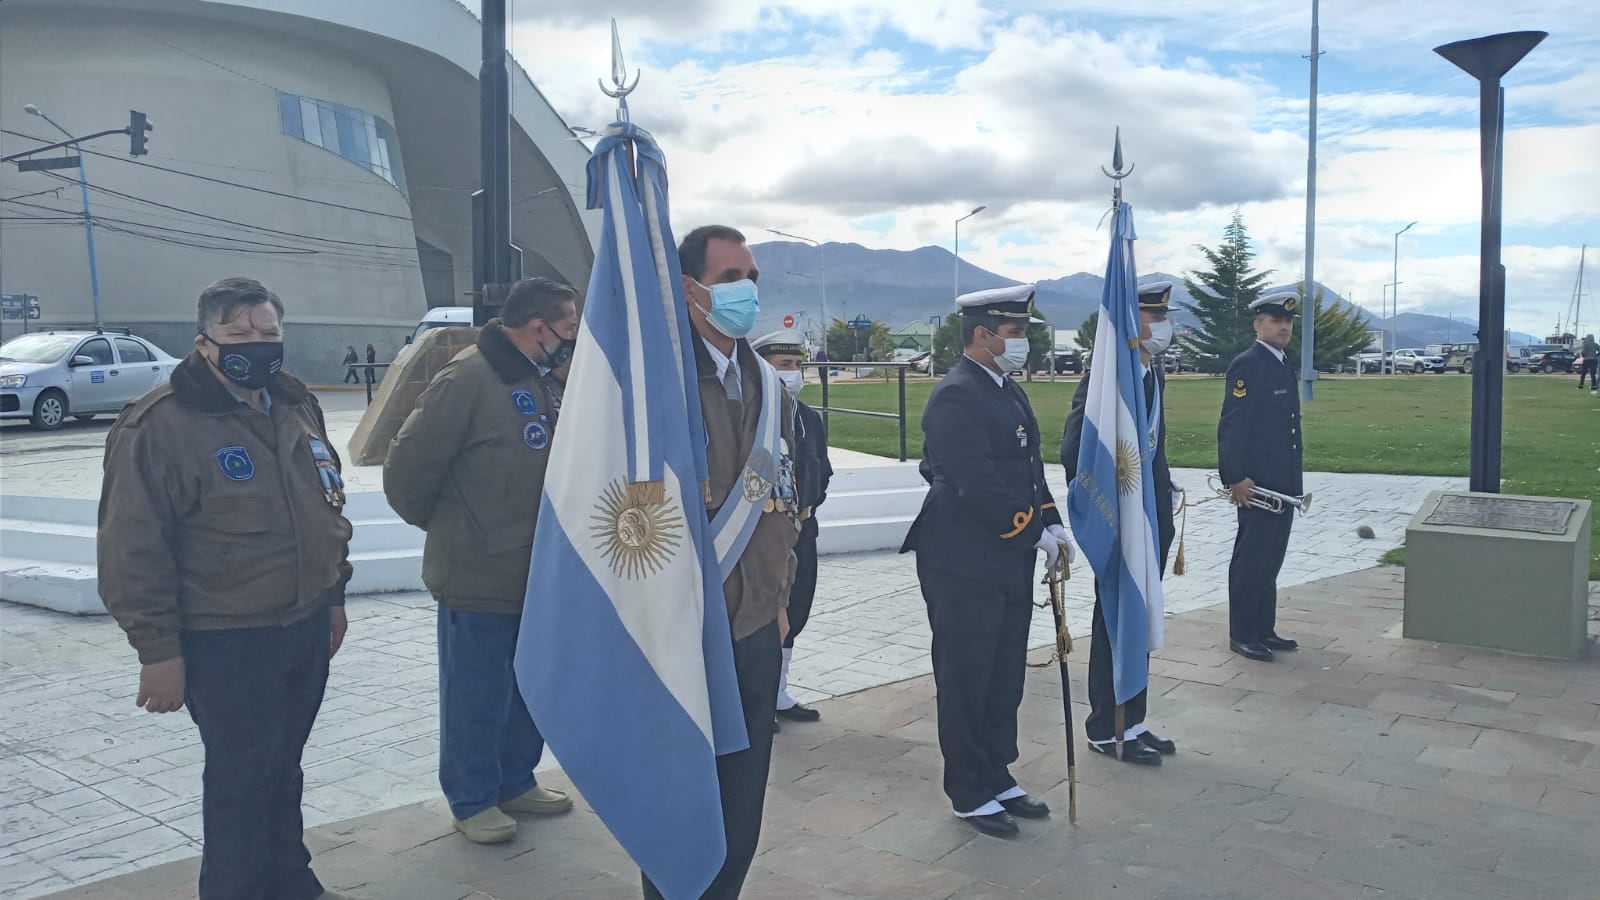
{"type": "Point", "coordinates": [833, 131]}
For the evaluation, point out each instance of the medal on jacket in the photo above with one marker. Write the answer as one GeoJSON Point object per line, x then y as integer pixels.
{"type": "Point", "coordinates": [332, 482]}
{"type": "Point", "coordinates": [1022, 436]}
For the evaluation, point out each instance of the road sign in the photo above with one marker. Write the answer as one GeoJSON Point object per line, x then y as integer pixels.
{"type": "Point", "coordinates": [19, 306]}
{"type": "Point", "coordinates": [788, 321]}
{"type": "Point", "coordinates": [48, 162]}
{"type": "Point", "coordinates": [861, 322]}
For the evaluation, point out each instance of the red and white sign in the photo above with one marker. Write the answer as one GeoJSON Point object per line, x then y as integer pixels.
{"type": "Point", "coordinates": [788, 321]}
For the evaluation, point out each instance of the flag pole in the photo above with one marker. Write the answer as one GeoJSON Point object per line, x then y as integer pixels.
{"type": "Point", "coordinates": [1119, 717]}
{"type": "Point", "coordinates": [619, 93]}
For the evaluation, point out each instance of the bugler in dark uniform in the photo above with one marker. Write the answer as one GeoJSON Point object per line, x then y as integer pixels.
{"type": "Point", "coordinates": [987, 514]}
{"type": "Point", "coordinates": [785, 350]}
{"type": "Point", "coordinates": [1141, 745]}
{"type": "Point", "coordinates": [1259, 443]}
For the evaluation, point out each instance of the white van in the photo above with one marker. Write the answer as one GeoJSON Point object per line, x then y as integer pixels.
{"type": "Point", "coordinates": [437, 317]}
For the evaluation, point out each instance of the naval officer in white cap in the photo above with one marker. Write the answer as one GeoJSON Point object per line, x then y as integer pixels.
{"type": "Point", "coordinates": [785, 350]}
{"type": "Point", "coordinates": [987, 516]}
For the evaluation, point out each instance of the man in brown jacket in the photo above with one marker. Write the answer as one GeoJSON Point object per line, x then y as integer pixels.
{"type": "Point", "coordinates": [223, 553]}
{"type": "Point", "coordinates": [719, 275]}
{"type": "Point", "coordinates": [468, 467]}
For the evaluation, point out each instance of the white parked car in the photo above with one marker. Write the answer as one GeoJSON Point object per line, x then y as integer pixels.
{"type": "Point", "coordinates": [1417, 362]}
{"type": "Point", "coordinates": [48, 376]}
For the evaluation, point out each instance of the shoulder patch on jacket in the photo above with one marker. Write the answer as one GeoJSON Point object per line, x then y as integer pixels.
{"type": "Point", "coordinates": [1239, 388]}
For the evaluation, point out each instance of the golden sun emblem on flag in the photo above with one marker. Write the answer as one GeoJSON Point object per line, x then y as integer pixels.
{"type": "Point", "coordinates": [636, 529]}
{"type": "Point", "coordinates": [1128, 474]}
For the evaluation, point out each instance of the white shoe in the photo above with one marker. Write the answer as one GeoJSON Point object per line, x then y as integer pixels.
{"type": "Point", "coordinates": [488, 827]}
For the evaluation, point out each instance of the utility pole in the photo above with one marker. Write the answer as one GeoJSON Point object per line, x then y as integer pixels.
{"type": "Point", "coordinates": [957, 282]}
{"type": "Point", "coordinates": [1308, 337]}
{"type": "Point", "coordinates": [492, 227]}
{"type": "Point", "coordinates": [88, 220]}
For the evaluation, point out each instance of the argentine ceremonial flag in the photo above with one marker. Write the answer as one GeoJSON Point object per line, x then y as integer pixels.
{"type": "Point", "coordinates": [625, 657]}
{"type": "Point", "coordinates": [1111, 502]}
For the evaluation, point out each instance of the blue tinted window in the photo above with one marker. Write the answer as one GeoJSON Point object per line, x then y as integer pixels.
{"type": "Point", "coordinates": [358, 136]}
{"type": "Point", "coordinates": [289, 111]}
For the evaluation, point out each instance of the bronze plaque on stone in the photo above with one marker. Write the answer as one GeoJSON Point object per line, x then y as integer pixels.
{"type": "Point", "coordinates": [1503, 513]}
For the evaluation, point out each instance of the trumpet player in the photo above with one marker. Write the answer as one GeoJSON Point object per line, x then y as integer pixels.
{"type": "Point", "coordinates": [1259, 445]}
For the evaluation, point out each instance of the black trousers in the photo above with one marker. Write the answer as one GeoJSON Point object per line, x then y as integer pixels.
{"type": "Point", "coordinates": [1101, 725]}
{"type": "Point", "coordinates": [1588, 367]}
{"type": "Point", "coordinates": [742, 776]}
{"type": "Point", "coordinates": [1258, 551]}
{"type": "Point", "coordinates": [254, 693]}
{"type": "Point", "coordinates": [980, 655]}
{"type": "Point", "coordinates": [805, 581]}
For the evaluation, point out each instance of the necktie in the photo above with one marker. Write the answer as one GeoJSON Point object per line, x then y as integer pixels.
{"type": "Point", "coordinates": [730, 384]}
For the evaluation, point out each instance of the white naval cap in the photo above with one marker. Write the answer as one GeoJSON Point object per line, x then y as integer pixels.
{"type": "Point", "coordinates": [1279, 303]}
{"type": "Point", "coordinates": [1013, 302]}
{"type": "Point", "coordinates": [784, 340]}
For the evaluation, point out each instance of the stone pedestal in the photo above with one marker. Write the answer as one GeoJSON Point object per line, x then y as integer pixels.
{"type": "Point", "coordinates": [1499, 571]}
{"type": "Point", "coordinates": [397, 394]}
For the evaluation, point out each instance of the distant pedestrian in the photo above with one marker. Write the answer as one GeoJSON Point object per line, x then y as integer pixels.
{"type": "Point", "coordinates": [350, 360]}
{"type": "Point", "coordinates": [372, 357]}
{"type": "Point", "coordinates": [224, 555]}
{"type": "Point", "coordinates": [1588, 358]}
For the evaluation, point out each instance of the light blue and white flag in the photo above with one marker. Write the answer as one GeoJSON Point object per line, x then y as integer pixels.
{"type": "Point", "coordinates": [625, 657]}
{"type": "Point", "coordinates": [1111, 502]}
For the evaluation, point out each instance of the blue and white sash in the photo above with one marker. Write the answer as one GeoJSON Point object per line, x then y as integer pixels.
{"type": "Point", "coordinates": [736, 521]}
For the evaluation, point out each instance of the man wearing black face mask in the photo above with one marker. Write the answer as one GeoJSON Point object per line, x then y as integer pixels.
{"type": "Point", "coordinates": [468, 467]}
{"type": "Point", "coordinates": [223, 553]}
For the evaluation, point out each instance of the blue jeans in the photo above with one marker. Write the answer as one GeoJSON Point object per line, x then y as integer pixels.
{"type": "Point", "coordinates": [254, 694]}
{"type": "Point", "coordinates": [488, 744]}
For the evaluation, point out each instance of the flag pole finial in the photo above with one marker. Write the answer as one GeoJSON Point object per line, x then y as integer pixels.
{"type": "Point", "coordinates": [1116, 174]}
{"type": "Point", "coordinates": [619, 76]}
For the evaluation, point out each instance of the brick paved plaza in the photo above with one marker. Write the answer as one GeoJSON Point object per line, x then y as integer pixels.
{"type": "Point", "coordinates": [1363, 766]}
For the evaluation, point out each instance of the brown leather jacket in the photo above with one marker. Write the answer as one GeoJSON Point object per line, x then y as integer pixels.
{"type": "Point", "coordinates": [759, 584]}
{"type": "Point", "coordinates": [468, 467]}
{"type": "Point", "coordinates": [213, 514]}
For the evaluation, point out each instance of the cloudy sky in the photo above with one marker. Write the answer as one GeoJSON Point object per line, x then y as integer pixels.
{"type": "Point", "coordinates": [882, 121]}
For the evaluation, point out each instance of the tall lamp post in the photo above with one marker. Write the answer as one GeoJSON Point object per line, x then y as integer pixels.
{"type": "Point", "coordinates": [822, 267]}
{"type": "Point", "coordinates": [958, 250]}
{"type": "Point", "coordinates": [1488, 59]}
{"type": "Point", "coordinates": [1395, 282]}
{"type": "Point", "coordinates": [88, 223]}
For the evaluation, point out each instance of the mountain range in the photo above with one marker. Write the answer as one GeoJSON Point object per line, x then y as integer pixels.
{"type": "Point", "coordinates": [902, 286]}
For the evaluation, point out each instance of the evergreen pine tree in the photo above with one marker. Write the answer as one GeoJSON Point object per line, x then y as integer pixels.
{"type": "Point", "coordinates": [1341, 333]}
{"type": "Point", "coordinates": [1222, 299]}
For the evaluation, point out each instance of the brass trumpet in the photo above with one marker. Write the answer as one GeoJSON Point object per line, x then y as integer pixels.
{"type": "Point", "coordinates": [1261, 498]}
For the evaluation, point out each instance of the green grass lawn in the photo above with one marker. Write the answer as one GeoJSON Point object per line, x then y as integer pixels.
{"type": "Point", "coordinates": [1400, 425]}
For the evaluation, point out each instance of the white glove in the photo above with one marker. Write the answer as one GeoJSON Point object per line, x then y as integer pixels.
{"type": "Point", "coordinates": [1177, 499]}
{"type": "Point", "coordinates": [1059, 532]}
{"type": "Point", "coordinates": [1051, 548]}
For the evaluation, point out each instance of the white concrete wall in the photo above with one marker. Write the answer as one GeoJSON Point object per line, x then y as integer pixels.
{"type": "Point", "coordinates": [87, 69]}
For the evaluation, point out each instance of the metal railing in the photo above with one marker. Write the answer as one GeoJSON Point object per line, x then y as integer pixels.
{"type": "Point", "coordinates": [900, 375]}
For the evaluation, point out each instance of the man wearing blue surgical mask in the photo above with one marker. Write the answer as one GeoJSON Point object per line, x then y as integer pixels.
{"type": "Point", "coordinates": [751, 500]}
{"type": "Point", "coordinates": [1140, 745]}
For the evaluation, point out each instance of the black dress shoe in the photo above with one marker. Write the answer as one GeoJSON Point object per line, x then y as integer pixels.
{"type": "Point", "coordinates": [1134, 751]}
{"type": "Point", "coordinates": [1273, 642]}
{"type": "Point", "coordinates": [998, 824]}
{"type": "Point", "coordinates": [1160, 745]}
{"type": "Point", "coordinates": [1026, 807]}
{"type": "Point", "coordinates": [1258, 652]}
{"type": "Point", "coordinates": [798, 713]}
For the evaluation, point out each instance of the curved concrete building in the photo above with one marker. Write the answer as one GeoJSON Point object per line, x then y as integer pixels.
{"type": "Point", "coordinates": [328, 149]}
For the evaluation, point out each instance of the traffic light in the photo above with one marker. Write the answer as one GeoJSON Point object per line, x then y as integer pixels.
{"type": "Point", "coordinates": [138, 127]}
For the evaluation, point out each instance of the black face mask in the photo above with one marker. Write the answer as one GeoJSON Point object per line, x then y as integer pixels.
{"type": "Point", "coordinates": [250, 364]}
{"type": "Point", "coordinates": [555, 359]}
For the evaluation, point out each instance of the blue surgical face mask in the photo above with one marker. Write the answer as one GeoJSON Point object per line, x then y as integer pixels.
{"type": "Point", "coordinates": [734, 307]}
